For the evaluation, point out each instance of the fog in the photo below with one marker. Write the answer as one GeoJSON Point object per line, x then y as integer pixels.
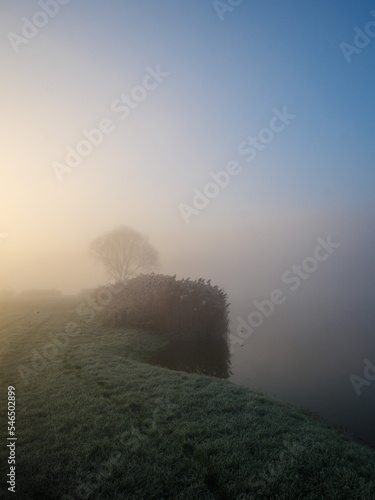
{"type": "Point", "coordinates": [306, 351]}
{"type": "Point", "coordinates": [311, 344]}
{"type": "Point", "coordinates": [246, 255]}
{"type": "Point", "coordinates": [221, 82]}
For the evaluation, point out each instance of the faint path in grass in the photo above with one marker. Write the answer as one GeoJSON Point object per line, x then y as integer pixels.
{"type": "Point", "coordinates": [100, 420]}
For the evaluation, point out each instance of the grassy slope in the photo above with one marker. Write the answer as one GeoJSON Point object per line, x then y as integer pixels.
{"type": "Point", "coordinates": [97, 422]}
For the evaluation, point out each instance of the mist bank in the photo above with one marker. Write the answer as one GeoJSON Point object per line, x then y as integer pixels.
{"type": "Point", "coordinates": [247, 253]}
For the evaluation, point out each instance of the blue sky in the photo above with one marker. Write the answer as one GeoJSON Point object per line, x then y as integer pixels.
{"type": "Point", "coordinates": [225, 79]}
{"type": "Point", "coordinates": [229, 75]}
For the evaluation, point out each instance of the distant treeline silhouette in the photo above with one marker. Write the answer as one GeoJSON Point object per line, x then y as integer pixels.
{"type": "Point", "coordinates": [39, 293]}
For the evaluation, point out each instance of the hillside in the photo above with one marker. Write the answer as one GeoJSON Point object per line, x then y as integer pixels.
{"type": "Point", "coordinates": [95, 421]}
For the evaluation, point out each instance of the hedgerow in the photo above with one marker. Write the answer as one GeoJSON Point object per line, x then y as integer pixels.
{"type": "Point", "coordinates": [162, 304]}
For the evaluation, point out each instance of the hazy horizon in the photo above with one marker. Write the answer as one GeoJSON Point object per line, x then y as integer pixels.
{"type": "Point", "coordinates": [237, 137]}
{"type": "Point", "coordinates": [266, 70]}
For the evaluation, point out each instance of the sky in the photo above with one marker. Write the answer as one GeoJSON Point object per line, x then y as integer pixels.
{"type": "Point", "coordinates": [205, 79]}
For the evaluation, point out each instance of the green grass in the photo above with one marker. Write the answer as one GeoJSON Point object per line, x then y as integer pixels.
{"type": "Point", "coordinates": [97, 422]}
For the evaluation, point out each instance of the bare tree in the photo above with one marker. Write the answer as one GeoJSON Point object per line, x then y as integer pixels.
{"type": "Point", "coordinates": [124, 253]}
